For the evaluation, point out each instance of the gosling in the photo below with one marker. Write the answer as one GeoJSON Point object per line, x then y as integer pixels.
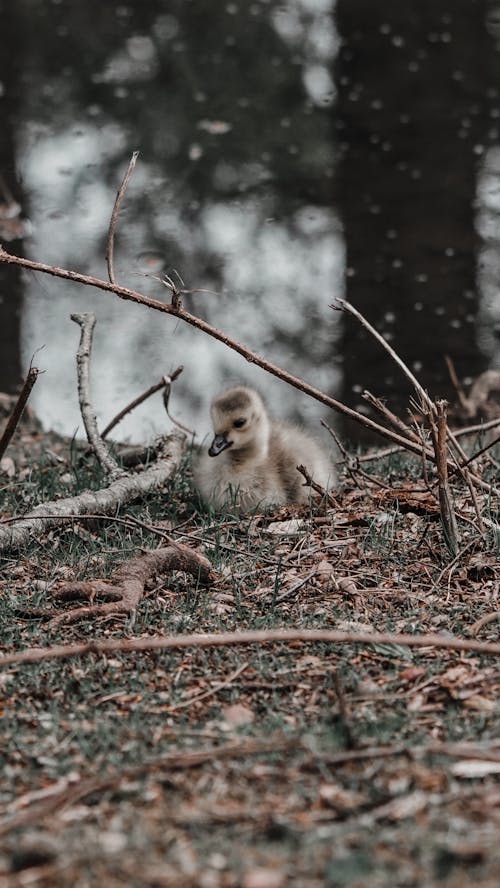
{"type": "Point", "coordinates": [257, 456]}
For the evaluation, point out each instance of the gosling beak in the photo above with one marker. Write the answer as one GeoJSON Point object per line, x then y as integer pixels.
{"type": "Point", "coordinates": [219, 444]}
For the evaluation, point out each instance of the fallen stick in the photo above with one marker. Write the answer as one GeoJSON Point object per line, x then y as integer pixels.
{"type": "Point", "coordinates": [120, 491]}
{"type": "Point", "coordinates": [235, 639]}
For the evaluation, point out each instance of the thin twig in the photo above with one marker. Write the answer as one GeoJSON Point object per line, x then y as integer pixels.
{"type": "Point", "coordinates": [349, 461]}
{"type": "Point", "coordinates": [114, 216]}
{"type": "Point", "coordinates": [478, 428]}
{"type": "Point", "coordinates": [466, 476]}
{"type": "Point", "coordinates": [295, 587]}
{"type": "Point", "coordinates": [423, 396]}
{"type": "Point", "coordinates": [484, 621]}
{"type": "Point", "coordinates": [139, 400]}
{"type": "Point", "coordinates": [462, 398]}
{"type": "Point", "coordinates": [458, 433]}
{"type": "Point", "coordinates": [133, 404]}
{"type": "Point", "coordinates": [17, 411]}
{"type": "Point", "coordinates": [218, 687]}
{"type": "Point", "coordinates": [343, 305]}
{"type": "Point", "coordinates": [166, 398]}
{"type": "Point", "coordinates": [447, 511]}
{"type": "Point", "coordinates": [393, 419]}
{"type": "Point", "coordinates": [235, 639]}
{"type": "Point", "coordinates": [315, 486]}
{"type": "Point", "coordinates": [451, 565]}
{"type": "Point", "coordinates": [352, 463]}
{"type": "Point", "coordinates": [479, 453]}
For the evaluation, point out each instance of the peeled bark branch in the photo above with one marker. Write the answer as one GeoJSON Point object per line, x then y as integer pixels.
{"type": "Point", "coordinates": [109, 464]}
{"type": "Point", "coordinates": [120, 491]}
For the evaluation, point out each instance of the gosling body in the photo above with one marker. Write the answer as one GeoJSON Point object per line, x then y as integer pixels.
{"type": "Point", "coordinates": [252, 460]}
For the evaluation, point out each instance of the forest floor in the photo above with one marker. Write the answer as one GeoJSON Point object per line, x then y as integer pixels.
{"type": "Point", "coordinates": [262, 766]}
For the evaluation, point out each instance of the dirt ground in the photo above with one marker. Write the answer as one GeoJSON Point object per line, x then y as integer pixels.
{"type": "Point", "coordinates": [264, 765]}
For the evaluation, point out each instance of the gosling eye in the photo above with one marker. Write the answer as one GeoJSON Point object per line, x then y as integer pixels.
{"type": "Point", "coordinates": [239, 423]}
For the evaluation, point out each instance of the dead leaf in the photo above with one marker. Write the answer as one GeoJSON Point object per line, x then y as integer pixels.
{"type": "Point", "coordinates": [238, 714]}
{"type": "Point", "coordinates": [411, 673]}
{"type": "Point", "coordinates": [473, 768]}
{"type": "Point", "coordinates": [416, 702]}
{"type": "Point", "coordinates": [7, 466]}
{"type": "Point", "coordinates": [479, 703]}
{"type": "Point", "coordinates": [262, 877]}
{"type": "Point", "coordinates": [341, 799]}
{"type": "Point", "coordinates": [403, 806]}
{"type": "Point", "coordinates": [325, 572]}
{"type": "Point", "coordinates": [345, 584]}
{"type": "Point", "coordinates": [286, 528]}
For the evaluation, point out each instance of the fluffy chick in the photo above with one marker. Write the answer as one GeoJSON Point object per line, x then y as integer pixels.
{"type": "Point", "coordinates": [252, 460]}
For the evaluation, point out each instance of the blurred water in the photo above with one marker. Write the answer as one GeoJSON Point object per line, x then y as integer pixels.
{"type": "Point", "coordinates": [282, 164]}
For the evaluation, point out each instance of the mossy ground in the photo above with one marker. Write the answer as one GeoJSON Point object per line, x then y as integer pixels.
{"type": "Point", "coordinates": [372, 776]}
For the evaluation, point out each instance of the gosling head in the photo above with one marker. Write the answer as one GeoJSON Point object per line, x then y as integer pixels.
{"type": "Point", "coordinates": [240, 422]}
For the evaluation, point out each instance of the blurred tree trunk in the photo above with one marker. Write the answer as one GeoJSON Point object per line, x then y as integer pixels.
{"type": "Point", "coordinates": [10, 280]}
{"type": "Point", "coordinates": [413, 79]}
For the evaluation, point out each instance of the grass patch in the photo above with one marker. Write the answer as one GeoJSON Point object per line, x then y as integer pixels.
{"type": "Point", "coordinates": [322, 803]}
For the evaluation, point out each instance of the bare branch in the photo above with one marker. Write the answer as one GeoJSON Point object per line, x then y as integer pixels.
{"type": "Point", "coordinates": [343, 305]}
{"type": "Point", "coordinates": [323, 492]}
{"type": "Point", "coordinates": [390, 416]}
{"type": "Point", "coordinates": [17, 412]}
{"type": "Point", "coordinates": [166, 380]}
{"type": "Point", "coordinates": [215, 333]}
{"type": "Point", "coordinates": [257, 636]}
{"type": "Point", "coordinates": [87, 324]}
{"type": "Point", "coordinates": [114, 216]}
{"type": "Point", "coordinates": [462, 398]}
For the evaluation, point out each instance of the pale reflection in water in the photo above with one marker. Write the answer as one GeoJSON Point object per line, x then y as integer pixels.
{"type": "Point", "coordinates": [273, 284]}
{"type": "Point", "coordinates": [488, 225]}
